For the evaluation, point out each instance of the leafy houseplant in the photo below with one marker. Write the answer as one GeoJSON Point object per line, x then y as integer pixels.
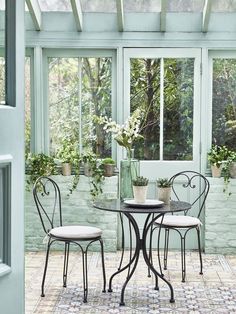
{"type": "Point", "coordinates": [39, 165]}
{"type": "Point", "coordinates": [68, 155]}
{"type": "Point", "coordinates": [140, 185]}
{"type": "Point", "coordinates": [164, 190]}
{"type": "Point", "coordinates": [216, 157]}
{"type": "Point", "coordinates": [108, 166]}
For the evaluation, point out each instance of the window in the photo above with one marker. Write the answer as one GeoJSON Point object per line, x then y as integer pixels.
{"type": "Point", "coordinates": [79, 89]}
{"type": "Point", "coordinates": [163, 87]}
{"type": "Point", "coordinates": [224, 101]}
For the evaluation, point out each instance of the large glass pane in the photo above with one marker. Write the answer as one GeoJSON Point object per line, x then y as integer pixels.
{"type": "Point", "coordinates": [27, 106]}
{"type": "Point", "coordinates": [98, 6]}
{"type": "Point", "coordinates": [185, 5]}
{"type": "Point", "coordinates": [79, 89]}
{"type": "Point", "coordinates": [223, 6]}
{"type": "Point", "coordinates": [224, 102]}
{"type": "Point", "coordinates": [142, 5]}
{"type": "Point", "coordinates": [55, 5]}
{"type": "Point", "coordinates": [145, 94]}
{"type": "Point", "coordinates": [63, 101]}
{"type": "Point", "coordinates": [178, 109]}
{"type": "Point", "coordinates": [1, 215]}
{"type": "Point", "coordinates": [96, 100]}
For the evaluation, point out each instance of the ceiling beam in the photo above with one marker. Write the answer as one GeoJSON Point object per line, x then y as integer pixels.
{"type": "Point", "coordinates": [35, 12]}
{"type": "Point", "coordinates": [120, 15]}
{"type": "Point", "coordinates": [78, 14]}
{"type": "Point", "coordinates": [206, 15]}
{"type": "Point", "coordinates": [163, 16]}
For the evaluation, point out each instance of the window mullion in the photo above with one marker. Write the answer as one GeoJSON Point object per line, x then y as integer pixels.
{"type": "Point", "coordinates": [80, 102]}
{"type": "Point", "coordinates": [161, 107]}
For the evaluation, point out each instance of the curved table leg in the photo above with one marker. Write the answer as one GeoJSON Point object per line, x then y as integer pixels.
{"type": "Point", "coordinates": [145, 255]}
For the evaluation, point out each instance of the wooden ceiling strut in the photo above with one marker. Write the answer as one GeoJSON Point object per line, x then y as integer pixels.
{"type": "Point", "coordinates": [206, 15]}
{"type": "Point", "coordinates": [163, 15]}
{"type": "Point", "coordinates": [78, 14]}
{"type": "Point", "coordinates": [35, 12]}
{"type": "Point", "coordinates": [120, 15]}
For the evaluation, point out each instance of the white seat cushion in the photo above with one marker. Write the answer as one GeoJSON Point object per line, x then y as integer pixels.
{"type": "Point", "coordinates": [76, 232]}
{"type": "Point", "coordinates": [178, 221]}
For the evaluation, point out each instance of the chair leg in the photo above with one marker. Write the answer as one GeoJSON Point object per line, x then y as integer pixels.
{"type": "Point", "coordinates": [166, 247]}
{"type": "Point", "coordinates": [85, 275]}
{"type": "Point", "coordinates": [45, 269]}
{"type": "Point", "coordinates": [103, 266]}
{"type": "Point", "coordinates": [199, 250]}
{"type": "Point", "coordinates": [66, 260]}
{"type": "Point", "coordinates": [150, 251]}
{"type": "Point", "coordinates": [183, 262]}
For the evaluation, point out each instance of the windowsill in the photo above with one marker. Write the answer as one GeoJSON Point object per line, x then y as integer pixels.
{"type": "Point", "coordinates": [4, 269]}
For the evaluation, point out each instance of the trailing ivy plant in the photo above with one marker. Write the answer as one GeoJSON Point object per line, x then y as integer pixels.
{"type": "Point", "coordinates": [39, 165]}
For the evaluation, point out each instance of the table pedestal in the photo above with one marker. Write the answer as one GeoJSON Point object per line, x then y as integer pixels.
{"type": "Point", "coordinates": [140, 246]}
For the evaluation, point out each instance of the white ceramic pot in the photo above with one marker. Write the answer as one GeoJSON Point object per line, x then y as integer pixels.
{"type": "Point", "coordinates": [232, 170]}
{"type": "Point", "coordinates": [164, 194]}
{"type": "Point", "coordinates": [216, 171]}
{"type": "Point", "coordinates": [140, 193]}
{"type": "Point", "coordinates": [66, 169]}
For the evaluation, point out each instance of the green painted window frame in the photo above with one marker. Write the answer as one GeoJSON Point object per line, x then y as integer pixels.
{"type": "Point", "coordinates": [41, 138]}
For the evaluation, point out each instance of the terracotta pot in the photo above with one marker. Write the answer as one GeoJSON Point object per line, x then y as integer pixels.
{"type": "Point", "coordinates": [140, 193]}
{"type": "Point", "coordinates": [232, 170]}
{"type": "Point", "coordinates": [108, 170]}
{"type": "Point", "coordinates": [87, 170]}
{"type": "Point", "coordinates": [164, 194]}
{"type": "Point", "coordinates": [216, 171]}
{"type": "Point", "coordinates": [66, 169]}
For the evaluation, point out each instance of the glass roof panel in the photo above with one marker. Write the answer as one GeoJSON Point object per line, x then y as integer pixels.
{"type": "Point", "coordinates": [142, 6]}
{"type": "Point", "coordinates": [55, 5]}
{"type": "Point", "coordinates": [2, 5]}
{"type": "Point", "coordinates": [107, 6]}
{"type": "Point", "coordinates": [223, 6]}
{"type": "Point", "coordinates": [185, 5]}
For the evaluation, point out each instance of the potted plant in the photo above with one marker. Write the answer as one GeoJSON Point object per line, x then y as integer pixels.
{"type": "Point", "coordinates": [216, 157]}
{"type": "Point", "coordinates": [140, 185]}
{"type": "Point", "coordinates": [68, 155]}
{"type": "Point", "coordinates": [39, 165]}
{"type": "Point", "coordinates": [108, 166]}
{"type": "Point", "coordinates": [93, 169]}
{"type": "Point", "coordinates": [232, 164]}
{"type": "Point", "coordinates": [164, 190]}
{"type": "Point", "coordinates": [89, 160]}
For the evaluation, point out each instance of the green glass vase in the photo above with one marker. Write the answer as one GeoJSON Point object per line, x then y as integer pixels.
{"type": "Point", "coordinates": [129, 170]}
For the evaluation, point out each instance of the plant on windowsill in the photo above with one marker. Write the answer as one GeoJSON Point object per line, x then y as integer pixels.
{"type": "Point", "coordinates": [164, 190]}
{"type": "Point", "coordinates": [93, 170]}
{"type": "Point", "coordinates": [108, 166]}
{"type": "Point", "coordinates": [140, 186]}
{"type": "Point", "coordinates": [217, 156]}
{"type": "Point", "coordinates": [229, 170]}
{"type": "Point", "coordinates": [39, 165]}
{"type": "Point", "coordinates": [69, 156]}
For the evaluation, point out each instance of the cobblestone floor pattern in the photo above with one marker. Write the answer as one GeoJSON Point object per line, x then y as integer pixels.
{"type": "Point", "coordinates": [212, 292]}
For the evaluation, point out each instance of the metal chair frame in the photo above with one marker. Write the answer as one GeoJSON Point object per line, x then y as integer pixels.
{"type": "Point", "coordinates": [183, 231]}
{"type": "Point", "coordinates": [41, 187]}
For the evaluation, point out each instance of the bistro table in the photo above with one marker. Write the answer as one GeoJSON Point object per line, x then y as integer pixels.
{"type": "Point", "coordinates": [153, 212]}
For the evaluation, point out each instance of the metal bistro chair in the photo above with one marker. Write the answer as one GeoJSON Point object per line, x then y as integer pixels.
{"type": "Point", "coordinates": [47, 198]}
{"type": "Point", "coordinates": [186, 181]}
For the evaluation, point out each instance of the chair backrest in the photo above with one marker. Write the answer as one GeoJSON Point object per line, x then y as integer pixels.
{"type": "Point", "coordinates": [47, 198]}
{"type": "Point", "coordinates": [190, 186]}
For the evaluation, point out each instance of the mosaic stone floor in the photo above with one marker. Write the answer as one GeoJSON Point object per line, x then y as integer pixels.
{"type": "Point", "coordinates": [212, 292]}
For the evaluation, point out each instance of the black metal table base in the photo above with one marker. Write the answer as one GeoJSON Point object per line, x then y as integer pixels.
{"type": "Point", "coordinates": [140, 246]}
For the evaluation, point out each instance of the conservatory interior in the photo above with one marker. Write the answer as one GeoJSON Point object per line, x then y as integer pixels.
{"type": "Point", "coordinates": [147, 89]}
